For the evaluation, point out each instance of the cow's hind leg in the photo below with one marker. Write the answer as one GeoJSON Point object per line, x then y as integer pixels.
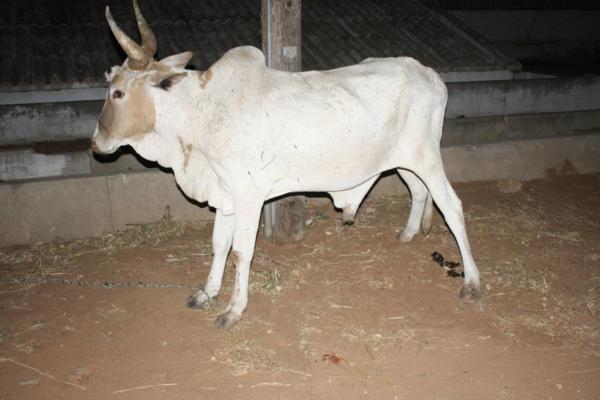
{"type": "Point", "coordinates": [221, 243]}
{"type": "Point", "coordinates": [421, 208]}
{"type": "Point", "coordinates": [247, 216]}
{"type": "Point", "coordinates": [433, 175]}
{"type": "Point", "coordinates": [349, 200]}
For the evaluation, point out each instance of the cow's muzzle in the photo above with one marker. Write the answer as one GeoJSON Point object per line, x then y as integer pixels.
{"type": "Point", "coordinates": [99, 143]}
{"type": "Point", "coordinates": [93, 146]}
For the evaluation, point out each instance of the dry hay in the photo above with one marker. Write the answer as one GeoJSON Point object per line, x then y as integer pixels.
{"type": "Point", "coordinates": [59, 258]}
{"type": "Point", "coordinates": [244, 355]}
{"type": "Point", "coordinates": [567, 316]}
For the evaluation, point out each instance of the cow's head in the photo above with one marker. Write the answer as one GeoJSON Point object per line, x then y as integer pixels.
{"type": "Point", "coordinates": [129, 110]}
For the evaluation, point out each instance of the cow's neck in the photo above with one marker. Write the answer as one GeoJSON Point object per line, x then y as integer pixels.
{"type": "Point", "coordinates": [178, 140]}
{"type": "Point", "coordinates": [181, 116]}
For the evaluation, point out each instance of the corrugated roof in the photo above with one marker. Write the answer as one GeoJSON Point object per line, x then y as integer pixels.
{"type": "Point", "coordinates": [46, 46]}
{"type": "Point", "coordinates": [334, 36]}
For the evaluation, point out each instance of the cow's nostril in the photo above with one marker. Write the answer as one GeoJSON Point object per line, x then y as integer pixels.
{"type": "Point", "coordinates": [93, 145]}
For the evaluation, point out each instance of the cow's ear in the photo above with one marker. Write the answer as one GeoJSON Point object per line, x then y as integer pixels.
{"type": "Point", "coordinates": [178, 60]}
{"type": "Point", "coordinates": [167, 81]}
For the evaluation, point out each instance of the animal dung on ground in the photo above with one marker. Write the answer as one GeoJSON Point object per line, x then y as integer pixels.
{"type": "Point", "coordinates": [449, 266]}
{"type": "Point", "coordinates": [438, 258]}
{"type": "Point", "coordinates": [453, 274]}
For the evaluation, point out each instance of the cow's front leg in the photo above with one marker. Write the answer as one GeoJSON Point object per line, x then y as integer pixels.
{"type": "Point", "coordinates": [221, 243]}
{"type": "Point", "coordinates": [244, 238]}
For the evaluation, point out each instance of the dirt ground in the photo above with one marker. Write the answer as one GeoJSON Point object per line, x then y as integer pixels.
{"type": "Point", "coordinates": [348, 313]}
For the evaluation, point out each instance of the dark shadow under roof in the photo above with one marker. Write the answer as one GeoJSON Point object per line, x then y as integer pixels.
{"type": "Point", "coordinates": [47, 44]}
{"type": "Point", "coordinates": [516, 4]}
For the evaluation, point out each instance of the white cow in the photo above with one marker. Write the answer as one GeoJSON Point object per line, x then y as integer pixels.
{"type": "Point", "coordinates": [239, 133]}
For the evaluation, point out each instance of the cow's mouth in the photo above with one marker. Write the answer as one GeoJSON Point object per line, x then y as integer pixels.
{"type": "Point", "coordinates": [99, 144]}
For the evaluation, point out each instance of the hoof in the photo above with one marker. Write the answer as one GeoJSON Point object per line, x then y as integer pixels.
{"type": "Point", "coordinates": [426, 229]}
{"type": "Point", "coordinates": [348, 217]}
{"type": "Point", "coordinates": [227, 320]}
{"type": "Point", "coordinates": [200, 300]}
{"type": "Point", "coordinates": [405, 237]}
{"type": "Point", "coordinates": [471, 291]}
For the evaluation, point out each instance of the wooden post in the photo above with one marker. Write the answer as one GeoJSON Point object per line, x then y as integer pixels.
{"type": "Point", "coordinates": [282, 45]}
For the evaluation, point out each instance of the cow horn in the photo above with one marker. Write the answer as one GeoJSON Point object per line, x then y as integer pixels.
{"type": "Point", "coordinates": [138, 55]}
{"type": "Point", "coordinates": [148, 38]}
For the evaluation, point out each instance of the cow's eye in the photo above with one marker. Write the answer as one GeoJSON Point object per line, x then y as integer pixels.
{"type": "Point", "coordinates": [117, 94]}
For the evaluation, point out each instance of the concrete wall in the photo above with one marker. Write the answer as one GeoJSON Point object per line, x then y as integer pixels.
{"type": "Point", "coordinates": [478, 99]}
{"type": "Point", "coordinates": [30, 123]}
{"type": "Point", "coordinates": [88, 206]}
{"type": "Point", "coordinates": [485, 130]}
{"type": "Point", "coordinates": [83, 93]}
{"type": "Point", "coordinates": [21, 164]}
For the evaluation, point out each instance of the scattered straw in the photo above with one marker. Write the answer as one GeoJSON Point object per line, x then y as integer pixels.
{"type": "Point", "coordinates": [144, 387]}
{"type": "Point", "coordinates": [584, 371]}
{"type": "Point", "coordinates": [47, 375]}
{"type": "Point", "coordinates": [270, 384]}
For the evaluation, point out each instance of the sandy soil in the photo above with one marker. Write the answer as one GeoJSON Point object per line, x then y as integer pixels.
{"type": "Point", "coordinates": [347, 313]}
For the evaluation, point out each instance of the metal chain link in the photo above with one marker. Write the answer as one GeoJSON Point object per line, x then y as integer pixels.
{"type": "Point", "coordinates": [104, 284]}
{"type": "Point", "coordinates": [113, 284]}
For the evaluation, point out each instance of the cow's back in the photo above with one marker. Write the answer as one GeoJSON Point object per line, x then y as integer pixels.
{"type": "Point", "coordinates": [335, 129]}
{"type": "Point", "coordinates": [311, 130]}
